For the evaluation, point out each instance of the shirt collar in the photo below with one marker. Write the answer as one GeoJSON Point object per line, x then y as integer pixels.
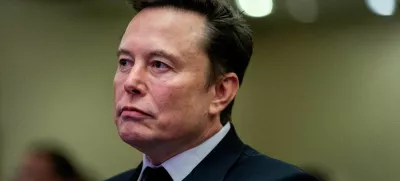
{"type": "Point", "coordinates": [182, 164]}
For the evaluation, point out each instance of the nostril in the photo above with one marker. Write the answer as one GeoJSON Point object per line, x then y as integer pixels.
{"type": "Point", "coordinates": [135, 91]}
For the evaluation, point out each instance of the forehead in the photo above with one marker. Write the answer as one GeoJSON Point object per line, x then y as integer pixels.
{"type": "Point", "coordinates": [165, 27]}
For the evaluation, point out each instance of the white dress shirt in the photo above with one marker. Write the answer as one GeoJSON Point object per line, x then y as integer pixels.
{"type": "Point", "coordinates": [182, 164]}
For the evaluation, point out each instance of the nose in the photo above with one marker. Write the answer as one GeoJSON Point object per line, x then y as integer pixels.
{"type": "Point", "coordinates": [135, 83]}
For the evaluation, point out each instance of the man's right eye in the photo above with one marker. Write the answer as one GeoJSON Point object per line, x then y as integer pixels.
{"type": "Point", "coordinates": [125, 65]}
{"type": "Point", "coordinates": [123, 62]}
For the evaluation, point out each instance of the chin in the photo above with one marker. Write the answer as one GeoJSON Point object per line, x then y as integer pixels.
{"type": "Point", "coordinates": [134, 135]}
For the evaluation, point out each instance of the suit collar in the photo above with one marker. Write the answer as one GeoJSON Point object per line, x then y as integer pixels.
{"type": "Point", "coordinates": [220, 160]}
{"type": "Point", "coordinates": [136, 172]}
{"type": "Point", "coordinates": [216, 164]}
{"type": "Point", "coordinates": [180, 166]}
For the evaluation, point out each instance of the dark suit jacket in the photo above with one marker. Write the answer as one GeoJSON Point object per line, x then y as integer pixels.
{"type": "Point", "coordinates": [231, 160]}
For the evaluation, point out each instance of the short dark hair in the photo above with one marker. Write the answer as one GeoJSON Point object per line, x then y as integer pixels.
{"type": "Point", "coordinates": [229, 43]}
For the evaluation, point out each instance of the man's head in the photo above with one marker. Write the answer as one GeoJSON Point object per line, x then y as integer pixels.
{"type": "Point", "coordinates": [180, 64]}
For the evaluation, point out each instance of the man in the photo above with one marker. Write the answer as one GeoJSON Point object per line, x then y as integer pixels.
{"type": "Point", "coordinates": [180, 64]}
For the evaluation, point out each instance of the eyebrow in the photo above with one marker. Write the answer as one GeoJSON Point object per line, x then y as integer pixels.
{"type": "Point", "coordinates": [154, 53]}
{"type": "Point", "coordinates": [162, 53]}
{"type": "Point", "coordinates": [124, 52]}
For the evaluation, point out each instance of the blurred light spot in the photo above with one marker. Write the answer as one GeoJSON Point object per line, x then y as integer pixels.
{"type": "Point", "coordinates": [305, 11]}
{"type": "Point", "coordinates": [256, 8]}
{"type": "Point", "coordinates": [382, 7]}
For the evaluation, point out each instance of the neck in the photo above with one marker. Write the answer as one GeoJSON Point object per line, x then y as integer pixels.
{"type": "Point", "coordinates": [165, 152]}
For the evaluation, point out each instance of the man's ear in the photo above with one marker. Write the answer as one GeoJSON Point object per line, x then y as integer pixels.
{"type": "Point", "coordinates": [225, 91]}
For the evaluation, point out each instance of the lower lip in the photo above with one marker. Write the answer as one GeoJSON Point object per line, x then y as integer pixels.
{"type": "Point", "coordinates": [133, 115]}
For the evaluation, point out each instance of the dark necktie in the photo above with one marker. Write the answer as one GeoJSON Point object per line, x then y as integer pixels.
{"type": "Point", "coordinates": [156, 174]}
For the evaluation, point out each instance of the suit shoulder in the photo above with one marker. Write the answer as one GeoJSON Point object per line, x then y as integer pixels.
{"type": "Point", "coordinates": [124, 176]}
{"type": "Point", "coordinates": [299, 177]}
{"type": "Point", "coordinates": [256, 160]}
{"type": "Point", "coordinates": [253, 165]}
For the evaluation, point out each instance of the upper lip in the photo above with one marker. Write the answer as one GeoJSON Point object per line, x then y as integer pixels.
{"type": "Point", "coordinates": [131, 108]}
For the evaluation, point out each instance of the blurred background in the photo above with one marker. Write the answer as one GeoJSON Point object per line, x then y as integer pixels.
{"type": "Point", "coordinates": [322, 90]}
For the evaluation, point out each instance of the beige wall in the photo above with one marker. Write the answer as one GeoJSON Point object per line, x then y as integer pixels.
{"type": "Point", "coordinates": [57, 83]}
{"type": "Point", "coordinates": [318, 94]}
{"type": "Point", "coordinates": [327, 95]}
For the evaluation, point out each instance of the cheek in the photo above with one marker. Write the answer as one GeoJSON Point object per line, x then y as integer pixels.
{"type": "Point", "coordinates": [171, 97]}
{"type": "Point", "coordinates": [118, 90]}
{"type": "Point", "coordinates": [118, 87]}
{"type": "Point", "coordinates": [177, 104]}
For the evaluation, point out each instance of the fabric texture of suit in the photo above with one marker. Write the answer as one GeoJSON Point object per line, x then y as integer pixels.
{"type": "Point", "coordinates": [232, 160]}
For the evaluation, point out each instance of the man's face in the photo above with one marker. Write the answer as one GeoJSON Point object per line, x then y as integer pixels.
{"type": "Point", "coordinates": [160, 94]}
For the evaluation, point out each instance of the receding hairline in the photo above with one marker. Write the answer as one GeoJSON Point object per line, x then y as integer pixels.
{"type": "Point", "coordinates": [202, 16]}
{"type": "Point", "coordinates": [205, 28]}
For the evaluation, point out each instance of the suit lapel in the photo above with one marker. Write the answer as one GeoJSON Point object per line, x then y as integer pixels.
{"type": "Point", "coordinates": [136, 173]}
{"type": "Point", "coordinates": [220, 160]}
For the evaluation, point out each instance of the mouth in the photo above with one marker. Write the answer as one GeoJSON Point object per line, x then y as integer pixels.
{"type": "Point", "coordinates": [133, 113]}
